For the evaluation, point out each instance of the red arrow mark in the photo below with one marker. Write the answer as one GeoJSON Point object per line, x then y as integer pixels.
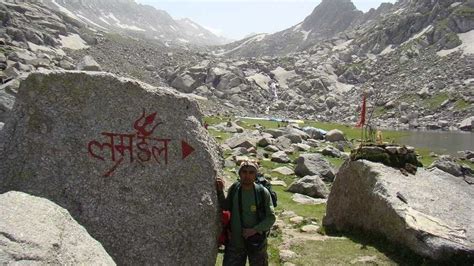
{"type": "Point", "coordinates": [186, 149]}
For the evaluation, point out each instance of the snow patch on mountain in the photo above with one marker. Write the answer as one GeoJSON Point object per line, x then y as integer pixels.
{"type": "Point", "coordinates": [387, 50]}
{"type": "Point", "coordinates": [342, 46]}
{"type": "Point", "coordinates": [73, 41]}
{"type": "Point", "coordinates": [256, 38]}
{"type": "Point", "coordinates": [305, 34]}
{"type": "Point", "coordinates": [84, 19]}
{"type": "Point", "coordinates": [104, 20]}
{"type": "Point", "coordinates": [467, 46]}
{"type": "Point", "coordinates": [36, 48]}
{"type": "Point", "coordinates": [297, 27]}
{"type": "Point", "coordinates": [65, 10]}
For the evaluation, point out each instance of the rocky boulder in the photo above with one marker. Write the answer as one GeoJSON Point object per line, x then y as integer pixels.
{"type": "Point", "coordinates": [88, 64]}
{"type": "Point", "coordinates": [315, 133]}
{"type": "Point", "coordinates": [7, 99]}
{"type": "Point", "coordinates": [132, 163]}
{"type": "Point", "coordinates": [335, 135]}
{"type": "Point", "coordinates": [246, 140]}
{"type": "Point", "coordinates": [184, 83]}
{"type": "Point", "coordinates": [314, 164]}
{"type": "Point", "coordinates": [280, 157]}
{"type": "Point", "coordinates": [415, 211]}
{"type": "Point", "coordinates": [311, 186]}
{"type": "Point", "coordinates": [35, 230]}
{"type": "Point", "coordinates": [449, 165]}
{"type": "Point", "coordinates": [467, 124]}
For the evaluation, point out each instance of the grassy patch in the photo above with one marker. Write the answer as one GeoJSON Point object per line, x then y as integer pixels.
{"type": "Point", "coordinates": [435, 101]}
{"type": "Point", "coordinates": [250, 123]}
{"type": "Point", "coordinates": [425, 157]}
{"type": "Point", "coordinates": [465, 11]}
{"type": "Point", "coordinates": [379, 111]}
{"type": "Point", "coordinates": [408, 98]}
{"type": "Point", "coordinates": [220, 136]}
{"type": "Point", "coordinates": [274, 241]}
{"type": "Point", "coordinates": [461, 105]}
{"type": "Point", "coordinates": [336, 162]}
{"type": "Point", "coordinates": [214, 120]}
{"type": "Point", "coordinates": [468, 163]}
{"type": "Point", "coordinates": [285, 203]}
{"type": "Point", "coordinates": [353, 250]}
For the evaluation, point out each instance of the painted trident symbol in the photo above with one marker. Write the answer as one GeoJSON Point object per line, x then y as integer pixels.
{"type": "Point", "coordinates": [148, 120]}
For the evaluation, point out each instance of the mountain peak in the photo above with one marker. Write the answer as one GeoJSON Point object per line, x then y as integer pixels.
{"type": "Point", "coordinates": [331, 16]}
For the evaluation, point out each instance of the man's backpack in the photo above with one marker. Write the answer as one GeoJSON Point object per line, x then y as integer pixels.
{"type": "Point", "coordinates": [261, 180]}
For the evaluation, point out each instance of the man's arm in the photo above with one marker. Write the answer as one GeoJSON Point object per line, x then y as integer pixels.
{"type": "Point", "coordinates": [223, 201]}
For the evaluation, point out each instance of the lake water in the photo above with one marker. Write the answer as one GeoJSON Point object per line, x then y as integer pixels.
{"type": "Point", "coordinates": [441, 142]}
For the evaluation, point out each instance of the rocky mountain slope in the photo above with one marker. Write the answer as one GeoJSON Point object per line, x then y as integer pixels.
{"type": "Point", "coordinates": [136, 20]}
{"type": "Point", "coordinates": [390, 25]}
{"type": "Point", "coordinates": [413, 59]}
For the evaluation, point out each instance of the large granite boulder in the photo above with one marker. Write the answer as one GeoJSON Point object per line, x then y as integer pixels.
{"type": "Point", "coordinates": [246, 140]}
{"type": "Point", "coordinates": [312, 186]}
{"type": "Point", "coordinates": [467, 124]}
{"type": "Point", "coordinates": [314, 164]}
{"type": "Point", "coordinates": [88, 64]}
{"type": "Point", "coordinates": [7, 99]}
{"type": "Point", "coordinates": [430, 212]}
{"type": "Point", "coordinates": [448, 164]}
{"type": "Point", "coordinates": [335, 135]}
{"type": "Point", "coordinates": [132, 163]}
{"type": "Point", "coordinates": [34, 230]}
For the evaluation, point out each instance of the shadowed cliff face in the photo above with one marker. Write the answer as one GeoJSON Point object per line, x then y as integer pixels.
{"type": "Point", "coordinates": [331, 17]}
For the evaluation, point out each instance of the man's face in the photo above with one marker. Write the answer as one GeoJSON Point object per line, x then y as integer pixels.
{"type": "Point", "coordinates": [248, 175]}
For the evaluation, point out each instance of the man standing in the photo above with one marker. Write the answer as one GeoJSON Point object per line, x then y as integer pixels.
{"type": "Point", "coordinates": [252, 216]}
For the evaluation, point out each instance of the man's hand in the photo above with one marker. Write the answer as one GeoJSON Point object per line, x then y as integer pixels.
{"type": "Point", "coordinates": [248, 232]}
{"type": "Point", "coordinates": [220, 184]}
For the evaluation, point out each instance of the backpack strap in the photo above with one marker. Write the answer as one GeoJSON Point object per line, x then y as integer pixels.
{"type": "Point", "coordinates": [261, 202]}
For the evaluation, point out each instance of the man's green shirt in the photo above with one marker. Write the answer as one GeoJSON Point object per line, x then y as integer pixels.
{"type": "Point", "coordinates": [249, 214]}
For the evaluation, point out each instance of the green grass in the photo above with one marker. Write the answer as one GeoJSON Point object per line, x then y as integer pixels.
{"type": "Point", "coordinates": [351, 248]}
{"type": "Point", "coordinates": [250, 123]}
{"type": "Point", "coordinates": [214, 120]}
{"type": "Point", "coordinates": [408, 98]}
{"type": "Point", "coordinates": [425, 159]}
{"type": "Point", "coordinates": [468, 163]}
{"type": "Point", "coordinates": [336, 162]}
{"type": "Point", "coordinates": [345, 248]}
{"type": "Point", "coordinates": [465, 11]}
{"type": "Point", "coordinates": [379, 111]}
{"type": "Point", "coordinates": [355, 133]}
{"type": "Point", "coordinates": [461, 105]}
{"type": "Point", "coordinates": [285, 203]}
{"type": "Point", "coordinates": [220, 136]}
{"type": "Point", "coordinates": [435, 101]}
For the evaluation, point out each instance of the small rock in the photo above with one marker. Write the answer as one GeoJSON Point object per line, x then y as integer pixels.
{"type": "Point", "coordinates": [284, 170]}
{"type": "Point", "coordinates": [310, 228]}
{"type": "Point", "coordinates": [278, 183]}
{"type": "Point", "coordinates": [303, 199]}
{"type": "Point", "coordinates": [288, 214]}
{"type": "Point", "coordinates": [286, 255]}
{"type": "Point", "coordinates": [296, 220]}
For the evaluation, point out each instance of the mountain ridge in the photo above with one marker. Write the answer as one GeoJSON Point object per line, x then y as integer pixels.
{"type": "Point", "coordinates": [136, 20]}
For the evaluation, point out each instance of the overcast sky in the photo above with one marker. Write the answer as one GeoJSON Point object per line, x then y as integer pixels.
{"type": "Point", "coordinates": [238, 18]}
